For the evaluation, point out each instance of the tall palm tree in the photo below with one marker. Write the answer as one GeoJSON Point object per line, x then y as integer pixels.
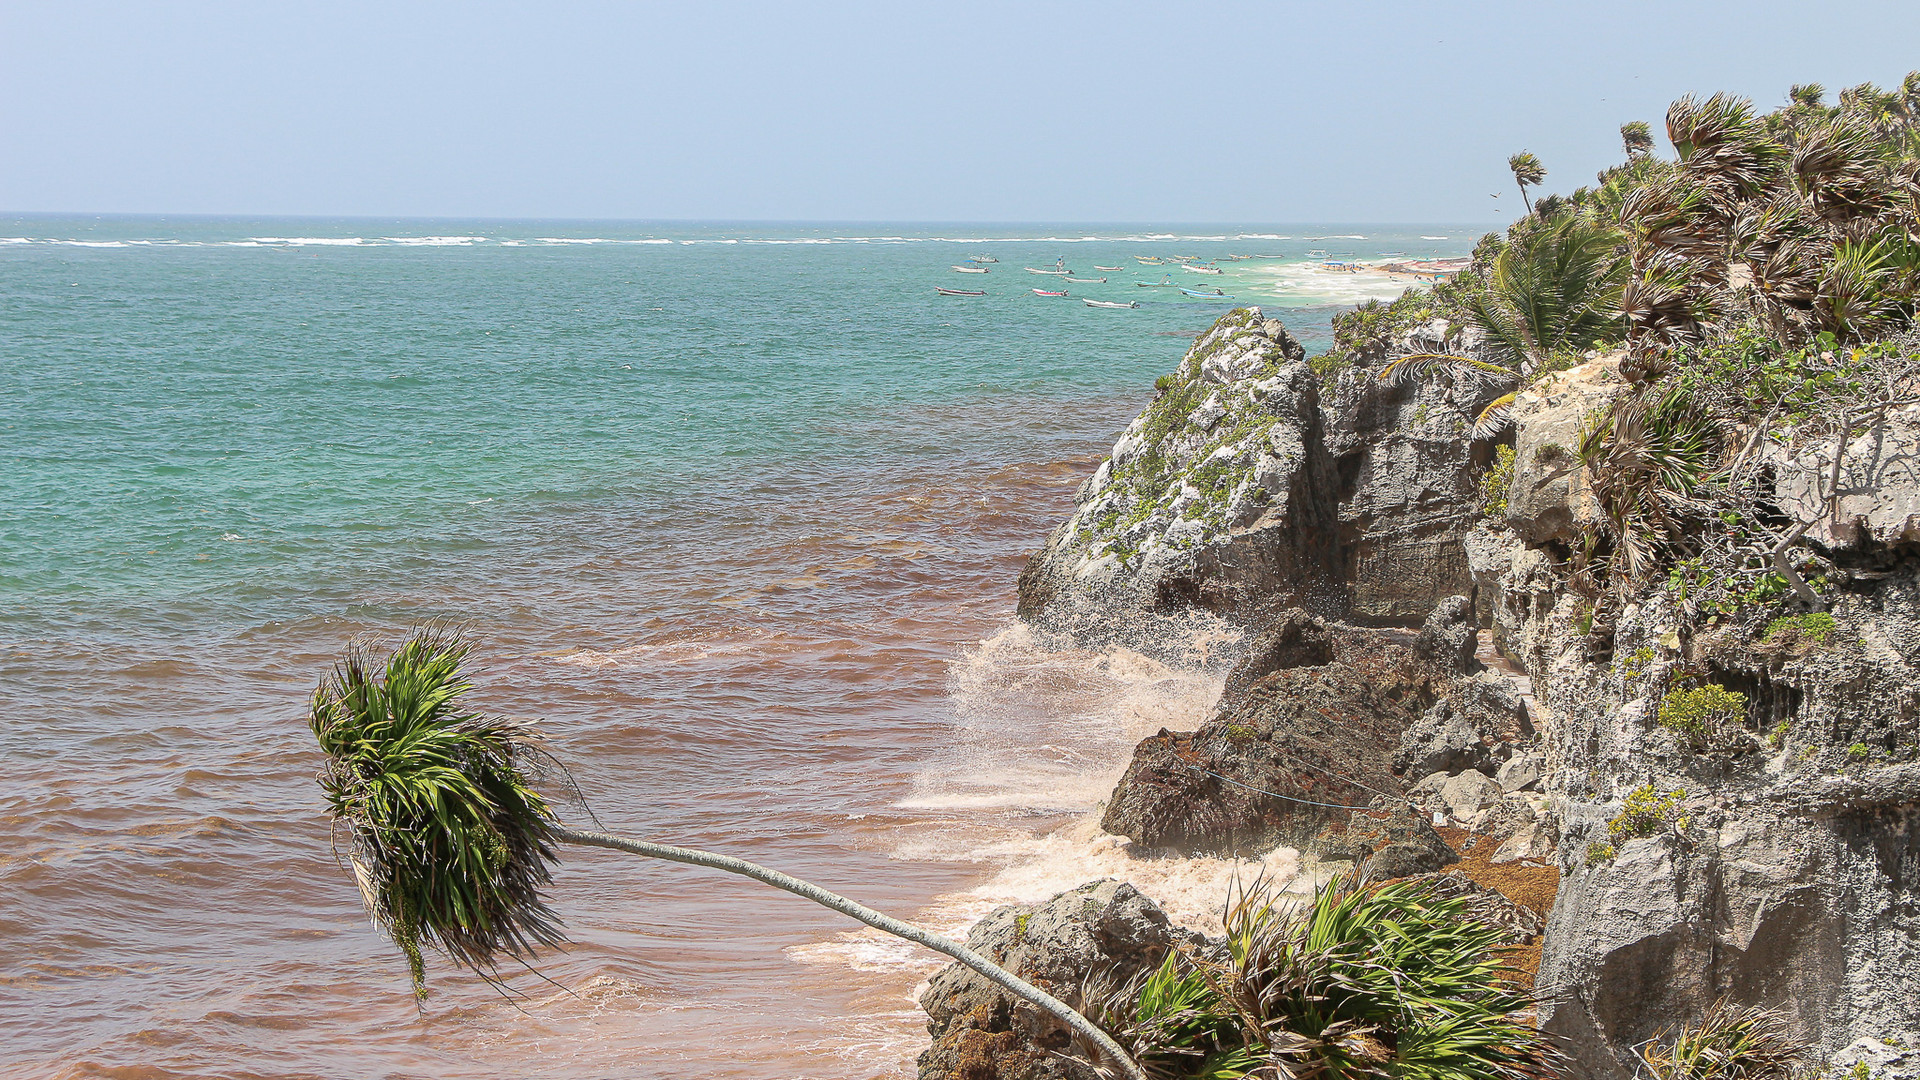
{"type": "Point", "coordinates": [1527, 172]}
{"type": "Point", "coordinates": [450, 844]}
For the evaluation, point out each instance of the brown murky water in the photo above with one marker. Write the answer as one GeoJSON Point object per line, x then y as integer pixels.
{"type": "Point", "coordinates": [825, 677]}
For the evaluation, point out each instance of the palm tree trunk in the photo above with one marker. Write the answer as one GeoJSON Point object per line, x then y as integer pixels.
{"type": "Point", "coordinates": [1524, 201]}
{"type": "Point", "coordinates": [1000, 976]}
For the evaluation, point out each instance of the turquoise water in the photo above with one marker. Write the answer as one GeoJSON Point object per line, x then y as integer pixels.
{"type": "Point", "coordinates": [735, 510]}
{"type": "Point", "coordinates": [205, 425]}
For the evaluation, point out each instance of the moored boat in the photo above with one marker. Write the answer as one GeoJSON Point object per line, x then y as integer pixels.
{"type": "Point", "coordinates": [1150, 260]}
{"type": "Point", "coordinates": [1110, 269]}
{"type": "Point", "coordinates": [982, 259]}
{"type": "Point", "coordinates": [1214, 295]}
{"type": "Point", "coordinates": [1165, 282]}
{"type": "Point", "coordinates": [1109, 303]}
{"type": "Point", "coordinates": [972, 270]}
{"type": "Point", "coordinates": [959, 292]}
{"type": "Point", "coordinates": [1048, 292]}
{"type": "Point", "coordinates": [1087, 280]}
{"type": "Point", "coordinates": [1052, 273]}
{"type": "Point", "coordinates": [1200, 269]}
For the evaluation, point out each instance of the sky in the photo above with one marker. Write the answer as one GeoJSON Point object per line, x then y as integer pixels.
{"type": "Point", "coordinates": [1225, 111]}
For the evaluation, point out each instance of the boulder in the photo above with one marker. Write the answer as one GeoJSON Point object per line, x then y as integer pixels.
{"type": "Point", "coordinates": [1549, 497]}
{"type": "Point", "coordinates": [1520, 773]}
{"type": "Point", "coordinates": [1290, 751]}
{"type": "Point", "coordinates": [1532, 841]}
{"type": "Point", "coordinates": [1101, 934]}
{"type": "Point", "coordinates": [1468, 793]}
{"type": "Point", "coordinates": [1219, 498]}
{"type": "Point", "coordinates": [1394, 842]}
{"type": "Point", "coordinates": [1450, 636]}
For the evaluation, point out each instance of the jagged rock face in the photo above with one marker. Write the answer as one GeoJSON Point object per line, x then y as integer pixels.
{"type": "Point", "coordinates": [1785, 875]}
{"type": "Point", "coordinates": [1240, 492]}
{"type": "Point", "coordinates": [1549, 497]}
{"type": "Point", "coordinates": [1407, 495]}
{"type": "Point", "coordinates": [1880, 471]}
{"type": "Point", "coordinates": [1103, 933]}
{"type": "Point", "coordinates": [1217, 497]}
{"type": "Point", "coordinates": [1306, 732]}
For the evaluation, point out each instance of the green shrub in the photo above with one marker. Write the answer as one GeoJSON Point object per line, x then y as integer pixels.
{"type": "Point", "coordinates": [1858, 751]}
{"type": "Point", "coordinates": [1729, 1043]}
{"type": "Point", "coordinates": [1366, 983]}
{"type": "Point", "coordinates": [1240, 732]}
{"type": "Point", "coordinates": [1600, 851]}
{"type": "Point", "coordinates": [1496, 484]}
{"type": "Point", "coordinates": [1647, 812]}
{"type": "Point", "coordinates": [1707, 716]}
{"type": "Point", "coordinates": [1812, 628]}
{"type": "Point", "coordinates": [1777, 738]}
{"type": "Point", "coordinates": [1634, 664]}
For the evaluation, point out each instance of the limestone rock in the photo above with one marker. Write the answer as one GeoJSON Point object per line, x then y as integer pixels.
{"type": "Point", "coordinates": [1532, 841]}
{"type": "Point", "coordinates": [1105, 931]}
{"type": "Point", "coordinates": [1878, 471]}
{"type": "Point", "coordinates": [1218, 498]}
{"type": "Point", "coordinates": [1449, 636]}
{"type": "Point", "coordinates": [1549, 495]}
{"type": "Point", "coordinates": [1521, 773]}
{"type": "Point", "coordinates": [1392, 843]}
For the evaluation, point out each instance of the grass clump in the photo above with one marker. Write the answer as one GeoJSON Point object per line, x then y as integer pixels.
{"type": "Point", "coordinates": [1811, 628]}
{"type": "Point", "coordinates": [448, 844]}
{"type": "Point", "coordinates": [1729, 1043]}
{"type": "Point", "coordinates": [1497, 484]}
{"type": "Point", "coordinates": [1647, 813]}
{"type": "Point", "coordinates": [1379, 981]}
{"type": "Point", "coordinates": [1708, 717]}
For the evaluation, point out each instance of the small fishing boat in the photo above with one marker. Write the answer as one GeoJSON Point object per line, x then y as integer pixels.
{"type": "Point", "coordinates": [1150, 260]}
{"type": "Point", "coordinates": [1165, 282]}
{"type": "Point", "coordinates": [972, 270]}
{"type": "Point", "coordinates": [959, 292]}
{"type": "Point", "coordinates": [1200, 269]}
{"type": "Point", "coordinates": [1109, 303]}
{"type": "Point", "coordinates": [982, 259]}
{"type": "Point", "coordinates": [1054, 273]}
{"type": "Point", "coordinates": [1087, 280]}
{"type": "Point", "coordinates": [1214, 295]}
{"type": "Point", "coordinates": [1045, 292]}
{"type": "Point", "coordinates": [1110, 269]}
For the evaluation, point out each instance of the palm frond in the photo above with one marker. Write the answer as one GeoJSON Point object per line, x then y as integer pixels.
{"type": "Point", "coordinates": [1415, 366]}
{"type": "Point", "coordinates": [1495, 418]}
{"type": "Point", "coordinates": [448, 843]}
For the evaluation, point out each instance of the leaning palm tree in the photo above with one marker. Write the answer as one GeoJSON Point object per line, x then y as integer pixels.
{"type": "Point", "coordinates": [1553, 291]}
{"type": "Point", "coordinates": [1527, 172]}
{"type": "Point", "coordinates": [451, 844]}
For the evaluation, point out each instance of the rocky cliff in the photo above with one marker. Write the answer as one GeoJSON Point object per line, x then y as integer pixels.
{"type": "Point", "coordinates": [1730, 795]}
{"type": "Point", "coordinates": [1251, 485]}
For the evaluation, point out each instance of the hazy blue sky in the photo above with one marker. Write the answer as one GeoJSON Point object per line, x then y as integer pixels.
{"type": "Point", "coordinates": [1221, 111]}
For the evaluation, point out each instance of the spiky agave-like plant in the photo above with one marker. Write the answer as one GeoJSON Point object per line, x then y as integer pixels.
{"type": "Point", "coordinates": [1369, 981]}
{"type": "Point", "coordinates": [1730, 1042]}
{"type": "Point", "coordinates": [451, 844]}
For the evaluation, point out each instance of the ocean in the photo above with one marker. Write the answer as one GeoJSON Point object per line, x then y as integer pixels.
{"type": "Point", "coordinates": [735, 510]}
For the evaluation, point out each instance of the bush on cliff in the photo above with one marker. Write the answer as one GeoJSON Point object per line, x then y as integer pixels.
{"type": "Point", "coordinates": [1377, 981]}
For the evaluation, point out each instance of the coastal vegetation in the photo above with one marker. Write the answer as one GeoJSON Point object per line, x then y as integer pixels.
{"type": "Point", "coordinates": [1367, 981]}
{"type": "Point", "coordinates": [1758, 286]}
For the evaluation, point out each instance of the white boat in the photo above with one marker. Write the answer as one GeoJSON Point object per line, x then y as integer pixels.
{"type": "Point", "coordinates": [1109, 269]}
{"type": "Point", "coordinates": [1165, 282]}
{"type": "Point", "coordinates": [982, 259]}
{"type": "Point", "coordinates": [1109, 303]}
{"type": "Point", "coordinates": [1088, 280]}
{"type": "Point", "coordinates": [1054, 273]}
{"type": "Point", "coordinates": [972, 269]}
{"type": "Point", "coordinates": [1200, 269]}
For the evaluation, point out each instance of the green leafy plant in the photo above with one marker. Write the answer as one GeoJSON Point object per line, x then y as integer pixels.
{"type": "Point", "coordinates": [1728, 1043]}
{"type": "Point", "coordinates": [1388, 980]}
{"type": "Point", "coordinates": [1496, 484]}
{"type": "Point", "coordinates": [1812, 628]}
{"type": "Point", "coordinates": [1708, 717]}
{"type": "Point", "coordinates": [1858, 751]}
{"type": "Point", "coordinates": [1647, 812]}
{"type": "Point", "coordinates": [1599, 851]}
{"type": "Point", "coordinates": [451, 845]}
{"type": "Point", "coordinates": [1777, 738]}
